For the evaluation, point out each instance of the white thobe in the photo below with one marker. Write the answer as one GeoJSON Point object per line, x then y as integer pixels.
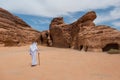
{"type": "Point", "coordinates": [33, 52]}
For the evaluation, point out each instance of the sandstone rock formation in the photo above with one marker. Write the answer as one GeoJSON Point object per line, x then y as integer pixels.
{"type": "Point", "coordinates": [99, 38]}
{"type": "Point", "coordinates": [63, 35]}
{"type": "Point", "coordinates": [83, 34]}
{"type": "Point", "coordinates": [60, 33]}
{"type": "Point", "coordinates": [45, 38]}
{"type": "Point", "coordinates": [14, 31]}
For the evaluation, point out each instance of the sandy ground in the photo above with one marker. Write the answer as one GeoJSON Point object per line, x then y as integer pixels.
{"type": "Point", "coordinates": [58, 64]}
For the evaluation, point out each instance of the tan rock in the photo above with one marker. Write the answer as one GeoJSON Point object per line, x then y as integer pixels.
{"type": "Point", "coordinates": [84, 35]}
{"type": "Point", "coordinates": [14, 31]}
{"type": "Point", "coordinates": [63, 35]}
{"type": "Point", "coordinates": [99, 38]}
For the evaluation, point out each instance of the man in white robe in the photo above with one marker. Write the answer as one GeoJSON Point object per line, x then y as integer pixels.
{"type": "Point", "coordinates": [33, 53]}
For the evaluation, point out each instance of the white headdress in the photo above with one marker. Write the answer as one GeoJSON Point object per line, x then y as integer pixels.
{"type": "Point", "coordinates": [33, 47]}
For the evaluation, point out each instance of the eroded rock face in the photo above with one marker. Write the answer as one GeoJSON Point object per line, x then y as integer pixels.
{"type": "Point", "coordinates": [83, 34]}
{"type": "Point", "coordinates": [64, 35]}
{"type": "Point", "coordinates": [99, 38]}
{"type": "Point", "coordinates": [45, 38]}
{"type": "Point", "coordinates": [59, 32]}
{"type": "Point", "coordinates": [14, 31]}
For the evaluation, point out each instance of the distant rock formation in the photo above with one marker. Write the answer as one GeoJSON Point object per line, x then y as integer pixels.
{"type": "Point", "coordinates": [63, 35]}
{"type": "Point", "coordinates": [83, 34]}
{"type": "Point", "coordinates": [14, 31]}
{"type": "Point", "coordinates": [45, 38]}
{"type": "Point", "coordinates": [99, 38]}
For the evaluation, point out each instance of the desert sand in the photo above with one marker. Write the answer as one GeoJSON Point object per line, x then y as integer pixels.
{"type": "Point", "coordinates": [58, 64]}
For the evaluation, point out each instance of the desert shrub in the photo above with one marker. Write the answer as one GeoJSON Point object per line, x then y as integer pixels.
{"type": "Point", "coordinates": [114, 51]}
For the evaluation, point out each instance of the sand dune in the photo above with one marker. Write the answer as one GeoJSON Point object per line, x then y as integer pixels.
{"type": "Point", "coordinates": [58, 64]}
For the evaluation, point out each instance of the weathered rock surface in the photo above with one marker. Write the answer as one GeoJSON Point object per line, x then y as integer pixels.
{"type": "Point", "coordinates": [83, 34]}
{"type": "Point", "coordinates": [99, 38]}
{"type": "Point", "coordinates": [63, 35]}
{"type": "Point", "coordinates": [45, 38]}
{"type": "Point", "coordinates": [14, 31]}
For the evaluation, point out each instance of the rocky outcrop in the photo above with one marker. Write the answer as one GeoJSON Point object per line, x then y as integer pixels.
{"type": "Point", "coordinates": [83, 34]}
{"type": "Point", "coordinates": [14, 31]}
{"type": "Point", "coordinates": [99, 38]}
{"type": "Point", "coordinates": [64, 35]}
{"type": "Point", "coordinates": [59, 33]}
{"type": "Point", "coordinates": [45, 38]}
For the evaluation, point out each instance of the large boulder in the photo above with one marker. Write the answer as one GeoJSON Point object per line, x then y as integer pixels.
{"type": "Point", "coordinates": [99, 38]}
{"type": "Point", "coordinates": [14, 31]}
{"type": "Point", "coordinates": [60, 33]}
{"type": "Point", "coordinates": [83, 34]}
{"type": "Point", "coordinates": [45, 38]}
{"type": "Point", "coordinates": [64, 35]}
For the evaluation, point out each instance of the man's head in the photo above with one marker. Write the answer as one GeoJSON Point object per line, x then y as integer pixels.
{"type": "Point", "coordinates": [34, 40]}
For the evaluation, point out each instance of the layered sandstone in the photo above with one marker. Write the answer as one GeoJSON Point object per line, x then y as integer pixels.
{"type": "Point", "coordinates": [45, 38]}
{"type": "Point", "coordinates": [63, 35]}
{"type": "Point", "coordinates": [99, 38]}
{"type": "Point", "coordinates": [83, 34]}
{"type": "Point", "coordinates": [14, 31]}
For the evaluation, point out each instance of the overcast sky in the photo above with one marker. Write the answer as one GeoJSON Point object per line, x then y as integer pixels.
{"type": "Point", "coordinates": [38, 13]}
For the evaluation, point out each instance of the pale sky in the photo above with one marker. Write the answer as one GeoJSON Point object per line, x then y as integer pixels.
{"type": "Point", "coordinates": [42, 11]}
